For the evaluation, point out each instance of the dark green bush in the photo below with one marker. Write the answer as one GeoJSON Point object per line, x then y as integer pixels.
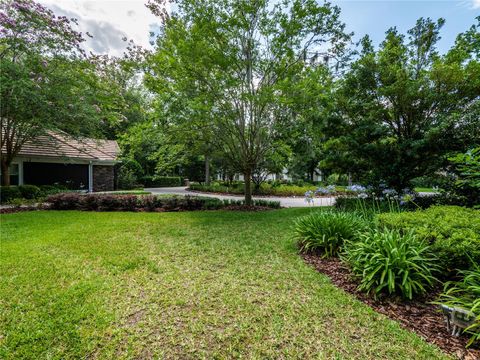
{"type": "Point", "coordinates": [453, 232]}
{"type": "Point", "coordinates": [465, 294]}
{"type": "Point", "coordinates": [326, 231]}
{"type": "Point", "coordinates": [30, 191]}
{"type": "Point", "coordinates": [387, 261]}
{"type": "Point", "coordinates": [163, 181]}
{"type": "Point", "coordinates": [8, 193]}
{"type": "Point", "coordinates": [127, 179]}
{"type": "Point", "coordinates": [46, 190]}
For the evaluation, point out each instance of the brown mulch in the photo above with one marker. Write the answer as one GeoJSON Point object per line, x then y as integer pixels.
{"type": "Point", "coordinates": [16, 209]}
{"type": "Point", "coordinates": [419, 316]}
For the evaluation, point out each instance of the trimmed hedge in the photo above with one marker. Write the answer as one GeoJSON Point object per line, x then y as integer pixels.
{"type": "Point", "coordinates": [163, 181]}
{"type": "Point", "coordinates": [28, 192]}
{"type": "Point", "coordinates": [106, 202]}
{"type": "Point", "coordinates": [453, 231]}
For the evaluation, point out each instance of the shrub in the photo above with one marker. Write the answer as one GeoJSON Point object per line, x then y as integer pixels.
{"type": "Point", "coordinates": [29, 191]}
{"type": "Point", "coordinates": [163, 181]}
{"type": "Point", "coordinates": [8, 193]}
{"type": "Point", "coordinates": [453, 231]}
{"type": "Point", "coordinates": [46, 190]}
{"type": "Point", "coordinates": [70, 201]}
{"type": "Point", "coordinates": [326, 231]}
{"type": "Point", "coordinates": [126, 178]}
{"type": "Point", "coordinates": [465, 295]}
{"type": "Point", "coordinates": [387, 261]}
{"type": "Point", "coordinates": [111, 202]}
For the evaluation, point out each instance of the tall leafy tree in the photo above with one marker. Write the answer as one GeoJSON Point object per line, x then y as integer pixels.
{"type": "Point", "coordinates": [230, 61]}
{"type": "Point", "coordinates": [47, 82]}
{"type": "Point", "coordinates": [400, 109]}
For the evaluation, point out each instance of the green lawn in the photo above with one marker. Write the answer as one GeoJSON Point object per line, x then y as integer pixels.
{"type": "Point", "coordinates": [425, 189]}
{"type": "Point", "coordinates": [178, 285]}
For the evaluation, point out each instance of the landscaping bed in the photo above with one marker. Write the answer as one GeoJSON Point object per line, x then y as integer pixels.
{"type": "Point", "coordinates": [268, 189]}
{"type": "Point", "coordinates": [150, 203]}
{"type": "Point", "coordinates": [411, 266]}
{"type": "Point", "coordinates": [418, 315]}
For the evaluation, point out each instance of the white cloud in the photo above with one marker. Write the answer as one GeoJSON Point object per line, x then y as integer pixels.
{"type": "Point", "coordinates": [108, 21]}
{"type": "Point", "coordinates": [476, 4]}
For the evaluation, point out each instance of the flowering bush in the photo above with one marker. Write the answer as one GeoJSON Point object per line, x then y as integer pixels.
{"type": "Point", "coordinates": [356, 188]}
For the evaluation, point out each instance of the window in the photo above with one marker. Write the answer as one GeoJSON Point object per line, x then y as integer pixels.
{"type": "Point", "coordinates": [13, 174]}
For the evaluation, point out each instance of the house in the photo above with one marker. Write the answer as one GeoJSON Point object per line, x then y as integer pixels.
{"type": "Point", "coordinates": [56, 158]}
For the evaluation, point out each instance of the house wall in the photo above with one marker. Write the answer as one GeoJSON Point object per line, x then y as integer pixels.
{"type": "Point", "coordinates": [103, 178]}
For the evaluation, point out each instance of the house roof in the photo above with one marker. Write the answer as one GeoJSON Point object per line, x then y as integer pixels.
{"type": "Point", "coordinates": [61, 145]}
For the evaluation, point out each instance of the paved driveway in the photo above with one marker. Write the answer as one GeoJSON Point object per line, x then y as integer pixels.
{"type": "Point", "coordinates": [284, 201]}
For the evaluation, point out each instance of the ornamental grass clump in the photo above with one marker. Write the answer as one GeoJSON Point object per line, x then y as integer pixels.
{"type": "Point", "coordinates": [388, 262]}
{"type": "Point", "coordinates": [326, 231]}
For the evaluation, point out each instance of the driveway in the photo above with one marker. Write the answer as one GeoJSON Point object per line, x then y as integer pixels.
{"type": "Point", "coordinates": [284, 201]}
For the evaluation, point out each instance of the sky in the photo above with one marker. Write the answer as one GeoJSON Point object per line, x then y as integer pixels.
{"type": "Point", "coordinates": [111, 20]}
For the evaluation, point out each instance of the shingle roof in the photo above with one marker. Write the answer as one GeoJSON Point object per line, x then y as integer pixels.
{"type": "Point", "coordinates": [60, 145]}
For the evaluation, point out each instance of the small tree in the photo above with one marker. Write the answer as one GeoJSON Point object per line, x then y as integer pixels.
{"type": "Point", "coordinates": [231, 60]}
{"type": "Point", "coordinates": [47, 84]}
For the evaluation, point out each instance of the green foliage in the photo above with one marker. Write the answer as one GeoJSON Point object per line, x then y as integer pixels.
{"type": "Point", "coordinates": [367, 207]}
{"type": "Point", "coordinates": [453, 231]}
{"type": "Point", "coordinates": [127, 178]}
{"type": "Point", "coordinates": [326, 231]}
{"type": "Point", "coordinates": [391, 123]}
{"type": "Point", "coordinates": [466, 188]}
{"type": "Point", "coordinates": [46, 190]}
{"type": "Point", "coordinates": [29, 191]}
{"type": "Point", "coordinates": [245, 55]}
{"type": "Point", "coordinates": [273, 188]}
{"type": "Point", "coordinates": [8, 193]}
{"type": "Point", "coordinates": [465, 294]}
{"type": "Point", "coordinates": [163, 181]}
{"type": "Point", "coordinates": [387, 261]}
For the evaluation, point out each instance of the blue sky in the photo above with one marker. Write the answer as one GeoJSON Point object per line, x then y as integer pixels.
{"type": "Point", "coordinates": [374, 17]}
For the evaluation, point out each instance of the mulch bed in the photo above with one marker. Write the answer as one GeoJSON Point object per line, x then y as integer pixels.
{"type": "Point", "coordinates": [419, 316]}
{"type": "Point", "coordinates": [15, 209]}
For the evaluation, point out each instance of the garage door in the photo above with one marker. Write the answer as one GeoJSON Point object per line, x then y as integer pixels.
{"type": "Point", "coordinates": [75, 176]}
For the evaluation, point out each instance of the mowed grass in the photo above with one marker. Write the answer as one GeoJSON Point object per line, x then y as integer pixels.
{"type": "Point", "coordinates": [178, 285]}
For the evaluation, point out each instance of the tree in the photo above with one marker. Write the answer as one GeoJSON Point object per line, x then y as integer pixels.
{"type": "Point", "coordinates": [401, 109]}
{"type": "Point", "coordinates": [229, 60]}
{"type": "Point", "coordinates": [47, 82]}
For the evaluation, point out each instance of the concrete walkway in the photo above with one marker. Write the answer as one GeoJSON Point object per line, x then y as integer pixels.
{"type": "Point", "coordinates": [284, 201]}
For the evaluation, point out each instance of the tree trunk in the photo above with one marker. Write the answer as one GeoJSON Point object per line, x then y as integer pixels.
{"type": "Point", "coordinates": [207, 170]}
{"type": "Point", "coordinates": [5, 173]}
{"type": "Point", "coordinates": [248, 187]}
